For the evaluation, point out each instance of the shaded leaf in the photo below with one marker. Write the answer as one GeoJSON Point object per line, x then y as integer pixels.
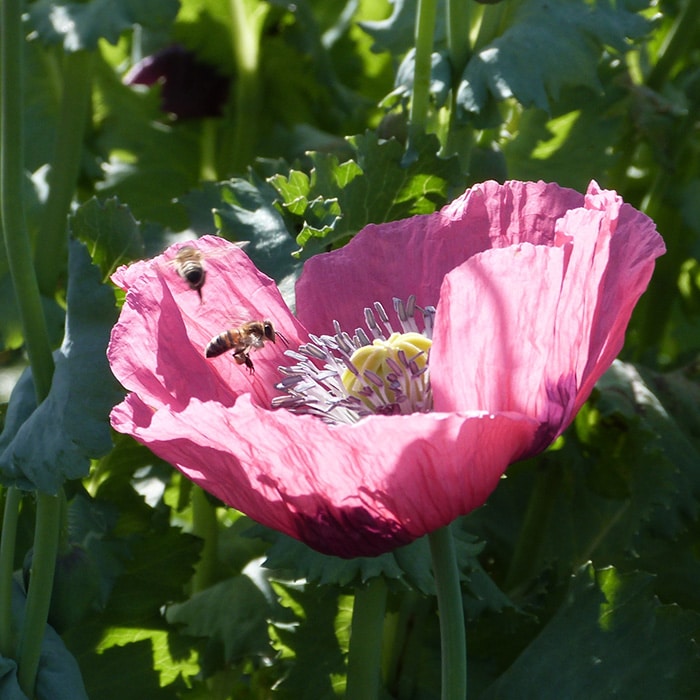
{"type": "Point", "coordinates": [115, 672]}
{"type": "Point", "coordinates": [318, 656]}
{"type": "Point", "coordinates": [241, 631]}
{"type": "Point", "coordinates": [160, 565]}
{"type": "Point", "coordinates": [243, 210]}
{"type": "Point", "coordinates": [109, 231]}
{"type": "Point", "coordinates": [396, 32]}
{"type": "Point", "coordinates": [40, 447]}
{"type": "Point", "coordinates": [292, 560]}
{"type": "Point", "coordinates": [80, 25]}
{"type": "Point", "coordinates": [58, 676]}
{"type": "Point", "coordinates": [548, 46]}
{"type": "Point", "coordinates": [611, 638]}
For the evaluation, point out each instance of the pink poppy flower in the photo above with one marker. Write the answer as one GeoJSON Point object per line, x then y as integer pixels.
{"type": "Point", "coordinates": [361, 443]}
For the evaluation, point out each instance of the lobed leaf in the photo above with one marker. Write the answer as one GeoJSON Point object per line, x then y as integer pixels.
{"type": "Point", "coordinates": [338, 199]}
{"type": "Point", "coordinates": [109, 231]}
{"type": "Point", "coordinates": [80, 25]}
{"type": "Point", "coordinates": [547, 47]}
{"type": "Point", "coordinates": [41, 447]}
{"type": "Point", "coordinates": [611, 637]}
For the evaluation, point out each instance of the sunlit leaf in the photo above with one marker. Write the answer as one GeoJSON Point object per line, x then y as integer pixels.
{"type": "Point", "coordinates": [338, 199]}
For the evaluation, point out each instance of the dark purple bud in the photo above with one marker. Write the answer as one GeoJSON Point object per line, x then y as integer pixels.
{"type": "Point", "coordinates": [191, 89]}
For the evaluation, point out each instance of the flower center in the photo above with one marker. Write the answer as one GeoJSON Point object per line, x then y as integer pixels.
{"type": "Point", "coordinates": [342, 378]}
{"type": "Point", "coordinates": [387, 370]}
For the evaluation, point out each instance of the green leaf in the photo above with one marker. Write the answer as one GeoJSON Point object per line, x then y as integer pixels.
{"type": "Point", "coordinates": [161, 563]}
{"type": "Point", "coordinates": [338, 199]}
{"type": "Point", "coordinates": [440, 79]}
{"type": "Point", "coordinates": [547, 47]}
{"type": "Point", "coordinates": [547, 147]}
{"type": "Point", "coordinates": [667, 408]}
{"type": "Point", "coordinates": [40, 447]}
{"type": "Point", "coordinates": [148, 161]}
{"type": "Point", "coordinates": [243, 210]}
{"type": "Point", "coordinates": [241, 631]}
{"type": "Point", "coordinates": [396, 33]}
{"type": "Point", "coordinates": [58, 675]}
{"type": "Point", "coordinates": [610, 638]}
{"type": "Point", "coordinates": [115, 672]}
{"type": "Point", "coordinates": [292, 560]}
{"type": "Point", "coordinates": [80, 25]}
{"type": "Point", "coordinates": [110, 232]}
{"type": "Point", "coordinates": [314, 643]}
{"type": "Point", "coordinates": [11, 330]}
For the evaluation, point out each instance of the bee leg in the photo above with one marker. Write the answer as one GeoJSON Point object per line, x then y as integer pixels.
{"type": "Point", "coordinates": [243, 358]}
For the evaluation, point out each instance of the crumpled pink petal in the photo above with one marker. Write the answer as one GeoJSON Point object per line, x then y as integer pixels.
{"type": "Point", "coordinates": [534, 285]}
{"type": "Point", "coordinates": [157, 347]}
{"type": "Point", "coordinates": [344, 490]}
{"type": "Point", "coordinates": [412, 256]}
{"type": "Point", "coordinates": [538, 344]}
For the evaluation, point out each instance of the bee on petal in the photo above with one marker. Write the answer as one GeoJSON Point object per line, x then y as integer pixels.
{"type": "Point", "coordinates": [250, 336]}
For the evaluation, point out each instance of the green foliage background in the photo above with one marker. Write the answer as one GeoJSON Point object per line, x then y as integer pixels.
{"type": "Point", "coordinates": [581, 575]}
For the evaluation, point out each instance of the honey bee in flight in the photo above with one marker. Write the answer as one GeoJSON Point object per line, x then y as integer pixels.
{"type": "Point", "coordinates": [243, 340]}
{"type": "Point", "coordinates": [189, 265]}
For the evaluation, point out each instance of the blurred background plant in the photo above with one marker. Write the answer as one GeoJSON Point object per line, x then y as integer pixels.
{"type": "Point", "coordinates": [291, 126]}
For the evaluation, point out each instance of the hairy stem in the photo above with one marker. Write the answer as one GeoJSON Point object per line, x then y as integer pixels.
{"type": "Point", "coordinates": [458, 26]}
{"type": "Point", "coordinates": [17, 246]}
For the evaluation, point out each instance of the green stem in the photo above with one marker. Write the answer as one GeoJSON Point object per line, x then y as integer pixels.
{"type": "Point", "coordinates": [7, 558]}
{"type": "Point", "coordinates": [46, 538]}
{"type": "Point", "coordinates": [661, 205]}
{"type": "Point", "coordinates": [420, 98]}
{"type": "Point", "coordinates": [52, 247]}
{"type": "Point", "coordinates": [490, 25]}
{"type": "Point", "coordinates": [452, 632]}
{"type": "Point", "coordinates": [17, 246]}
{"type": "Point", "coordinates": [405, 649]}
{"type": "Point", "coordinates": [458, 26]}
{"type": "Point", "coordinates": [364, 654]}
{"type": "Point", "coordinates": [460, 136]}
{"type": "Point", "coordinates": [247, 18]}
{"type": "Point", "coordinates": [208, 147]}
{"type": "Point", "coordinates": [19, 258]}
{"type": "Point", "coordinates": [206, 526]}
{"type": "Point", "coordinates": [680, 38]}
{"type": "Point", "coordinates": [535, 525]}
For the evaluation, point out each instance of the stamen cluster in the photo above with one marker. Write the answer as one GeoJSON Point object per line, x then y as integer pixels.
{"type": "Point", "coordinates": [342, 378]}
